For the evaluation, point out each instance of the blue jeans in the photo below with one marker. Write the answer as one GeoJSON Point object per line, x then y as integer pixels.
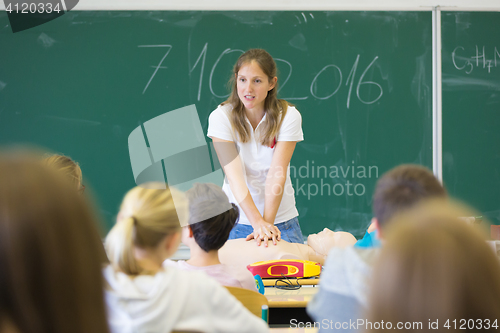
{"type": "Point", "coordinates": [290, 231]}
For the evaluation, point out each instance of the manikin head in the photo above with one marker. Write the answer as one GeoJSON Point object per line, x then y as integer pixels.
{"type": "Point", "coordinates": [324, 240]}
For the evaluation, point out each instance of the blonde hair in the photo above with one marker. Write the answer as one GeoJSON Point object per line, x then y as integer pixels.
{"type": "Point", "coordinates": [434, 266]}
{"type": "Point", "coordinates": [66, 166]}
{"type": "Point", "coordinates": [50, 252]}
{"type": "Point", "coordinates": [146, 217]}
{"type": "Point", "coordinates": [275, 108]}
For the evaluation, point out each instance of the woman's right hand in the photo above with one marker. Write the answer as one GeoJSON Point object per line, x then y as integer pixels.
{"type": "Point", "coordinates": [263, 232]}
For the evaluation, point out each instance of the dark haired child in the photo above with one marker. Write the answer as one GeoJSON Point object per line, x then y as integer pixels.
{"type": "Point", "coordinates": [205, 236]}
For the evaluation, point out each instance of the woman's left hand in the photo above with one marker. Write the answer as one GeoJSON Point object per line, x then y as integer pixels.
{"type": "Point", "coordinates": [263, 232]}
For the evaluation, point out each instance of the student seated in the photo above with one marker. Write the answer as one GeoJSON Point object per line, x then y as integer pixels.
{"type": "Point", "coordinates": [67, 167]}
{"type": "Point", "coordinates": [344, 280]}
{"type": "Point", "coordinates": [50, 253]}
{"type": "Point", "coordinates": [143, 294]}
{"type": "Point", "coordinates": [435, 270]}
{"type": "Point", "coordinates": [241, 252]}
{"type": "Point", "coordinates": [370, 239]}
{"type": "Point", "coordinates": [205, 236]}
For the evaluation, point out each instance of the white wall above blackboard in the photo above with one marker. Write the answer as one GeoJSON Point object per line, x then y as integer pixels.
{"type": "Point", "coordinates": [285, 5]}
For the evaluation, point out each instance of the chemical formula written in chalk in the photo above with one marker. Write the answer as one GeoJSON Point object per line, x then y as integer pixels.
{"type": "Point", "coordinates": [466, 59]}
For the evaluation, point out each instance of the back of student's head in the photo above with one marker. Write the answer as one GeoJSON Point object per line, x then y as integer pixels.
{"type": "Point", "coordinates": [433, 266]}
{"type": "Point", "coordinates": [401, 188]}
{"type": "Point", "coordinates": [147, 215]}
{"type": "Point", "coordinates": [210, 233]}
{"type": "Point", "coordinates": [50, 252]}
{"type": "Point", "coordinates": [67, 167]}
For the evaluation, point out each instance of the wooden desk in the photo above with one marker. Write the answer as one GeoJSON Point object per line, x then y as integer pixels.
{"type": "Point", "coordinates": [288, 305]}
{"type": "Point", "coordinates": [279, 298]}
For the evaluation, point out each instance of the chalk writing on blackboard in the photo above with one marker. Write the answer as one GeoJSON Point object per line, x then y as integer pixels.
{"type": "Point", "coordinates": [467, 60]}
{"type": "Point", "coordinates": [356, 86]}
{"type": "Point", "coordinates": [169, 47]}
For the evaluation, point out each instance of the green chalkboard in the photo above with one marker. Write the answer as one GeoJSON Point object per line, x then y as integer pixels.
{"type": "Point", "coordinates": [362, 81]}
{"type": "Point", "coordinates": [471, 109]}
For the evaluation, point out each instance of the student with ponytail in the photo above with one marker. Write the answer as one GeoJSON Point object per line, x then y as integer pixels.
{"type": "Point", "coordinates": [147, 218]}
{"type": "Point", "coordinates": [143, 294]}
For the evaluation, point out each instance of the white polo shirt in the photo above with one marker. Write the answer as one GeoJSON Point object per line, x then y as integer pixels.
{"type": "Point", "coordinates": [257, 158]}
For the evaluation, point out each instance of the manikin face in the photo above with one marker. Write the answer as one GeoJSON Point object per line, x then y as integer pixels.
{"type": "Point", "coordinates": [323, 241]}
{"type": "Point", "coordinates": [253, 86]}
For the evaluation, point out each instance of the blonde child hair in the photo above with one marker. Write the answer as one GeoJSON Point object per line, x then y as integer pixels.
{"type": "Point", "coordinates": [66, 166]}
{"type": "Point", "coordinates": [147, 215]}
{"type": "Point", "coordinates": [142, 294]}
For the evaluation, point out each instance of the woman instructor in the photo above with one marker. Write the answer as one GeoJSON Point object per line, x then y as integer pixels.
{"type": "Point", "coordinates": [254, 135]}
